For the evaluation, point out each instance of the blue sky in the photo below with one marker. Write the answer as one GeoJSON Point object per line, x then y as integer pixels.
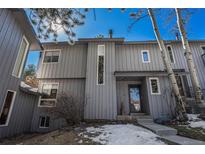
{"type": "Point", "coordinates": [142, 30]}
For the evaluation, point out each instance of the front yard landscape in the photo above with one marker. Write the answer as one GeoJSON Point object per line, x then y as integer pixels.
{"type": "Point", "coordinates": [91, 134]}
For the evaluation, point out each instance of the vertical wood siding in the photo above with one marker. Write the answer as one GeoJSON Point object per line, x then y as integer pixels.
{"type": "Point", "coordinates": [75, 87]}
{"type": "Point", "coordinates": [101, 99]}
{"type": "Point", "coordinates": [72, 62]}
{"type": "Point", "coordinates": [10, 38]}
{"type": "Point", "coordinates": [164, 103]}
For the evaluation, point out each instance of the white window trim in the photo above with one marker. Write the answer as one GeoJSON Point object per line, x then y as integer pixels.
{"type": "Point", "coordinates": [172, 54]}
{"type": "Point", "coordinates": [24, 57]}
{"type": "Point", "coordinates": [47, 63]}
{"type": "Point", "coordinates": [147, 55]}
{"type": "Point", "coordinates": [158, 84]}
{"type": "Point", "coordinates": [11, 108]}
{"type": "Point", "coordinates": [103, 67]}
{"type": "Point", "coordinates": [48, 99]}
{"type": "Point", "coordinates": [40, 123]}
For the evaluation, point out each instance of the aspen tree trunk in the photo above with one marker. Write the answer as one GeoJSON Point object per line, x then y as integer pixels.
{"type": "Point", "coordinates": [189, 58]}
{"type": "Point", "coordinates": [180, 108]}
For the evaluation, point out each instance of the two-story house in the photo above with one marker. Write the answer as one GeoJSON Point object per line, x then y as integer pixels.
{"type": "Point", "coordinates": [115, 77]}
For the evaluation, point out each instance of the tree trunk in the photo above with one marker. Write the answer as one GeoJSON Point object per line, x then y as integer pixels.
{"type": "Point", "coordinates": [180, 108]}
{"type": "Point", "coordinates": [189, 58]}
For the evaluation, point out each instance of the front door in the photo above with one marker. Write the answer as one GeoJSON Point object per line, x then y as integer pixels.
{"type": "Point", "coordinates": [134, 98]}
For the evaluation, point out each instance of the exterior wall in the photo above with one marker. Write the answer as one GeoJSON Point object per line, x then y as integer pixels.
{"type": "Point", "coordinates": [200, 65]}
{"type": "Point", "coordinates": [21, 116]}
{"type": "Point", "coordinates": [10, 38]}
{"type": "Point", "coordinates": [72, 62]}
{"type": "Point", "coordinates": [162, 104]}
{"type": "Point", "coordinates": [129, 58]}
{"type": "Point", "coordinates": [76, 87]}
{"type": "Point", "coordinates": [101, 99]}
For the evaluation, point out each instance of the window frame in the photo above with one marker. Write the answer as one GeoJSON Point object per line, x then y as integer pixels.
{"type": "Point", "coordinates": [148, 54]}
{"type": "Point", "coordinates": [103, 65]}
{"type": "Point", "coordinates": [51, 50]}
{"type": "Point", "coordinates": [11, 107]}
{"type": "Point", "coordinates": [24, 57]}
{"type": "Point", "coordinates": [172, 54]}
{"type": "Point", "coordinates": [40, 119]}
{"type": "Point", "coordinates": [45, 83]}
{"type": "Point", "coordinates": [202, 53]}
{"type": "Point", "coordinates": [158, 85]}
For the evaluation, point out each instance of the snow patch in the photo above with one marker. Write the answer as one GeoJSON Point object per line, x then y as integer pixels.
{"type": "Point", "coordinates": [120, 134]}
{"type": "Point", "coordinates": [196, 122]}
{"type": "Point", "coordinates": [24, 85]}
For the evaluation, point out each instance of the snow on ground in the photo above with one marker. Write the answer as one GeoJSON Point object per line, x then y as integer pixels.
{"type": "Point", "coordinates": [120, 134]}
{"type": "Point", "coordinates": [196, 122]}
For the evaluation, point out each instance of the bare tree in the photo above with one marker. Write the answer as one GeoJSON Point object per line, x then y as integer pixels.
{"type": "Point", "coordinates": [180, 108]}
{"type": "Point", "coordinates": [69, 108]}
{"type": "Point", "coordinates": [189, 58]}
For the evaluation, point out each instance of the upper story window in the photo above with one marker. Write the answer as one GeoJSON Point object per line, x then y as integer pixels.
{"type": "Point", "coordinates": [145, 56]}
{"type": "Point", "coordinates": [203, 53]}
{"type": "Point", "coordinates": [49, 97]}
{"type": "Point", "coordinates": [154, 86]}
{"type": "Point", "coordinates": [170, 53]}
{"type": "Point", "coordinates": [21, 57]}
{"type": "Point", "coordinates": [51, 56]}
{"type": "Point", "coordinates": [7, 108]}
{"type": "Point", "coordinates": [101, 65]}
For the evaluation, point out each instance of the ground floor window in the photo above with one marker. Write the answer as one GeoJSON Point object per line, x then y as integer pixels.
{"type": "Point", "coordinates": [49, 95]}
{"type": "Point", "coordinates": [154, 86]}
{"type": "Point", "coordinates": [44, 121]}
{"type": "Point", "coordinates": [7, 108]}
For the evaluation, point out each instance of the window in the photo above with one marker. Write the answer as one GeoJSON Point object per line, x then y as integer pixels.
{"type": "Point", "coordinates": [7, 108]}
{"type": "Point", "coordinates": [51, 56]}
{"type": "Point", "coordinates": [154, 86]}
{"type": "Point", "coordinates": [145, 56]}
{"type": "Point", "coordinates": [171, 54]}
{"type": "Point", "coordinates": [180, 85]}
{"type": "Point", "coordinates": [101, 65]}
{"type": "Point", "coordinates": [18, 67]}
{"type": "Point", "coordinates": [49, 95]}
{"type": "Point", "coordinates": [203, 54]}
{"type": "Point", "coordinates": [44, 121]}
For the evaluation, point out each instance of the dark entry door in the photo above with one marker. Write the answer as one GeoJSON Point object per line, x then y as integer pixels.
{"type": "Point", "coordinates": [134, 98]}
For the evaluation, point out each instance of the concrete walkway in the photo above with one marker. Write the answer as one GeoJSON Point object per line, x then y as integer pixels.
{"type": "Point", "coordinates": [169, 134]}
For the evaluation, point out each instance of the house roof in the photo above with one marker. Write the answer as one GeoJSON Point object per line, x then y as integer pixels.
{"type": "Point", "coordinates": [21, 17]}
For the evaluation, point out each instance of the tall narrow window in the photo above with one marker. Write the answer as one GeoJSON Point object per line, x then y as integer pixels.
{"type": "Point", "coordinates": [49, 91]}
{"type": "Point", "coordinates": [51, 56]}
{"type": "Point", "coordinates": [18, 67]}
{"type": "Point", "coordinates": [145, 56]}
{"type": "Point", "coordinates": [180, 85]}
{"type": "Point", "coordinates": [44, 121]}
{"type": "Point", "coordinates": [7, 108]}
{"type": "Point", "coordinates": [101, 65]}
{"type": "Point", "coordinates": [171, 54]}
{"type": "Point", "coordinates": [154, 86]}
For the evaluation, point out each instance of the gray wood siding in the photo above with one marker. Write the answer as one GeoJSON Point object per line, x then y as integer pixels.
{"type": "Point", "coordinates": [11, 35]}
{"type": "Point", "coordinates": [72, 62]}
{"type": "Point", "coordinates": [164, 103]}
{"type": "Point", "coordinates": [200, 66]}
{"type": "Point", "coordinates": [21, 116]}
{"type": "Point", "coordinates": [76, 87]}
{"type": "Point", "coordinates": [101, 99]}
{"type": "Point", "coordinates": [129, 58]}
